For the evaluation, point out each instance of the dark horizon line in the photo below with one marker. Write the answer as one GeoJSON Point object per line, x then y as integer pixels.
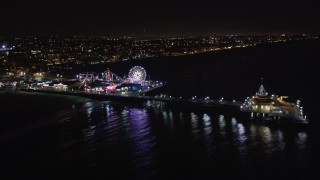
{"type": "Point", "coordinates": [156, 36]}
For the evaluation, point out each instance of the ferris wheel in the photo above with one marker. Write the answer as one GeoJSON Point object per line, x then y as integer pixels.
{"type": "Point", "coordinates": [137, 74]}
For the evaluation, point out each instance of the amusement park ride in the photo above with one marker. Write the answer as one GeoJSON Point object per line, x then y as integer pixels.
{"type": "Point", "coordinates": [109, 82]}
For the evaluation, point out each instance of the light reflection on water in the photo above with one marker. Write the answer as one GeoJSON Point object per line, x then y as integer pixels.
{"type": "Point", "coordinates": [146, 140]}
{"type": "Point", "coordinates": [241, 134]}
{"type": "Point", "coordinates": [194, 122]}
{"type": "Point", "coordinates": [207, 124]}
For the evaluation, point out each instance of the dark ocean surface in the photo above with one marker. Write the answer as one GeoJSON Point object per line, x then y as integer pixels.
{"type": "Point", "coordinates": [47, 136]}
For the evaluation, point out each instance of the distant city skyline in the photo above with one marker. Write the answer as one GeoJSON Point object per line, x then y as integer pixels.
{"type": "Point", "coordinates": [146, 18]}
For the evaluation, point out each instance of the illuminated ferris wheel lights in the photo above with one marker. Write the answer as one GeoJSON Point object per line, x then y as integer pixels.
{"type": "Point", "coordinates": [137, 74]}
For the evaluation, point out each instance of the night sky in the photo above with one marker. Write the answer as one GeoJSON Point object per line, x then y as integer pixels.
{"type": "Point", "coordinates": [152, 18]}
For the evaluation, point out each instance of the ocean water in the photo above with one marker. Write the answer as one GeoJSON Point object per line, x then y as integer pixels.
{"type": "Point", "coordinates": [108, 140]}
